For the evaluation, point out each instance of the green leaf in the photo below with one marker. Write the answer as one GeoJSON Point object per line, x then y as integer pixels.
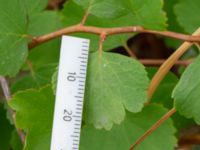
{"type": "Point", "coordinates": [39, 77]}
{"type": "Point", "coordinates": [34, 6]}
{"type": "Point", "coordinates": [172, 20]}
{"type": "Point", "coordinates": [15, 18]}
{"type": "Point", "coordinates": [15, 141]}
{"type": "Point", "coordinates": [39, 23]}
{"type": "Point", "coordinates": [114, 83]}
{"type": "Point", "coordinates": [123, 135]}
{"type": "Point", "coordinates": [69, 18]}
{"type": "Point", "coordinates": [146, 13]}
{"type": "Point", "coordinates": [34, 114]}
{"type": "Point", "coordinates": [185, 11]}
{"type": "Point", "coordinates": [103, 8]}
{"type": "Point", "coordinates": [13, 26]}
{"type": "Point", "coordinates": [5, 130]}
{"type": "Point", "coordinates": [187, 92]}
{"type": "Point", "coordinates": [47, 52]}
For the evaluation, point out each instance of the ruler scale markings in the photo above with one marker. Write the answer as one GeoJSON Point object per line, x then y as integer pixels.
{"type": "Point", "coordinates": [79, 101]}
{"type": "Point", "coordinates": [82, 69]}
{"type": "Point", "coordinates": [80, 89]}
{"type": "Point", "coordinates": [83, 73]}
{"type": "Point", "coordinates": [83, 65]}
{"type": "Point", "coordinates": [84, 54]}
{"type": "Point", "coordinates": [80, 93]}
{"type": "Point", "coordinates": [85, 46]}
{"type": "Point", "coordinates": [82, 57]}
{"type": "Point", "coordinates": [78, 112]}
{"type": "Point", "coordinates": [83, 61]}
{"type": "Point", "coordinates": [70, 93]}
{"type": "Point", "coordinates": [81, 77]}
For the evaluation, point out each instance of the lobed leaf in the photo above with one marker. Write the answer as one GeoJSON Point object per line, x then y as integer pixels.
{"type": "Point", "coordinates": [38, 78]}
{"type": "Point", "coordinates": [185, 11]}
{"type": "Point", "coordinates": [114, 83]}
{"type": "Point", "coordinates": [123, 135]}
{"type": "Point", "coordinates": [34, 114]}
{"type": "Point", "coordinates": [15, 19]}
{"type": "Point", "coordinates": [103, 8]}
{"type": "Point", "coordinates": [146, 13]}
{"type": "Point", "coordinates": [13, 42]}
{"type": "Point", "coordinates": [187, 92]}
{"type": "Point", "coordinates": [40, 24]}
{"type": "Point", "coordinates": [34, 6]}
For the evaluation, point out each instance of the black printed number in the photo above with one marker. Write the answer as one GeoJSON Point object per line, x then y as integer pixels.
{"type": "Point", "coordinates": [67, 115]}
{"type": "Point", "coordinates": [71, 76]}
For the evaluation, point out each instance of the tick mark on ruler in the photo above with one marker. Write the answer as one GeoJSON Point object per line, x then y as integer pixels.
{"type": "Point", "coordinates": [78, 112]}
{"type": "Point", "coordinates": [77, 116]}
{"type": "Point", "coordinates": [80, 57]}
{"type": "Point", "coordinates": [77, 108]}
{"type": "Point", "coordinates": [81, 77]}
{"type": "Point", "coordinates": [83, 61]}
{"type": "Point", "coordinates": [81, 85]}
{"type": "Point", "coordinates": [82, 73]}
{"type": "Point", "coordinates": [77, 124]}
{"type": "Point", "coordinates": [83, 65]}
{"type": "Point", "coordinates": [80, 93]}
{"type": "Point", "coordinates": [85, 46]}
{"type": "Point", "coordinates": [74, 136]}
{"type": "Point", "coordinates": [84, 54]}
{"type": "Point", "coordinates": [80, 105]}
{"type": "Point", "coordinates": [76, 132]}
{"type": "Point", "coordinates": [79, 101]}
{"type": "Point", "coordinates": [86, 42]}
{"type": "Point", "coordinates": [83, 69]}
{"type": "Point", "coordinates": [78, 96]}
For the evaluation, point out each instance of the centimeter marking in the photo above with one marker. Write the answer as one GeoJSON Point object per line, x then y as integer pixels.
{"type": "Point", "coordinates": [70, 93]}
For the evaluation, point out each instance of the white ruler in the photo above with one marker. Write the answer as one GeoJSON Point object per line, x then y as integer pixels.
{"type": "Point", "coordinates": [70, 93]}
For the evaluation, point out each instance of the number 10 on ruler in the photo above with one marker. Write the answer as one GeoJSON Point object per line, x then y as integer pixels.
{"type": "Point", "coordinates": [70, 94]}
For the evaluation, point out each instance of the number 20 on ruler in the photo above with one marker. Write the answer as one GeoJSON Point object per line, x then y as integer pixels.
{"type": "Point", "coordinates": [70, 93]}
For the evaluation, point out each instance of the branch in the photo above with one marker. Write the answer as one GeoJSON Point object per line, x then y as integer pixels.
{"type": "Point", "coordinates": [102, 38]}
{"type": "Point", "coordinates": [129, 51]}
{"type": "Point", "coordinates": [154, 127]}
{"type": "Point", "coordinates": [167, 65]}
{"type": "Point", "coordinates": [6, 92]}
{"type": "Point", "coordinates": [193, 139]}
{"type": "Point", "coordinates": [109, 31]}
{"type": "Point", "coordinates": [158, 62]}
{"type": "Point", "coordinates": [5, 88]}
{"type": "Point", "coordinates": [198, 46]}
{"type": "Point", "coordinates": [85, 17]}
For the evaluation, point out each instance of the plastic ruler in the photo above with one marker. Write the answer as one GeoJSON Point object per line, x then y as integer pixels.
{"type": "Point", "coordinates": [70, 93]}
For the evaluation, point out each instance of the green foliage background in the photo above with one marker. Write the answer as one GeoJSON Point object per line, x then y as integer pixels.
{"type": "Point", "coordinates": [116, 90]}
